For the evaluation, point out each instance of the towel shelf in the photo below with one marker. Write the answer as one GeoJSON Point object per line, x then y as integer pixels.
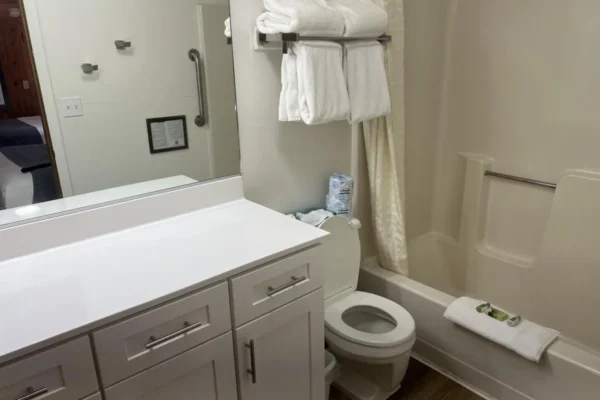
{"type": "Point", "coordinates": [523, 180]}
{"type": "Point", "coordinates": [287, 38]}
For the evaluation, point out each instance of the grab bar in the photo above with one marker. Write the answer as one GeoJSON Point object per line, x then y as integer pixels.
{"type": "Point", "coordinates": [519, 179]}
{"type": "Point", "coordinates": [194, 55]}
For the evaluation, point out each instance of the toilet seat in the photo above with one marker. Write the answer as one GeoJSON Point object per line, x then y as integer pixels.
{"type": "Point", "coordinates": [401, 337]}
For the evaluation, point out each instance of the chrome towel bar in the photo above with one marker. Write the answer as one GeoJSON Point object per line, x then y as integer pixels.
{"type": "Point", "coordinates": [286, 38]}
{"type": "Point", "coordinates": [519, 179]}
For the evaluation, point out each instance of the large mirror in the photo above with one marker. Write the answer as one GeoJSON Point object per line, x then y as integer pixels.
{"type": "Point", "coordinates": [102, 100]}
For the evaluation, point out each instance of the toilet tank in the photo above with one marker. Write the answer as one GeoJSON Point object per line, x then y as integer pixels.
{"type": "Point", "coordinates": [341, 256]}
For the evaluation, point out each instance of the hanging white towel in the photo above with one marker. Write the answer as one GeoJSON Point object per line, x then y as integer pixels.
{"type": "Point", "coordinates": [307, 17]}
{"type": "Point", "coordinates": [362, 17]}
{"type": "Point", "coordinates": [367, 81]}
{"type": "Point", "coordinates": [526, 339]}
{"type": "Point", "coordinates": [289, 107]}
{"type": "Point", "coordinates": [228, 27]}
{"type": "Point", "coordinates": [322, 92]}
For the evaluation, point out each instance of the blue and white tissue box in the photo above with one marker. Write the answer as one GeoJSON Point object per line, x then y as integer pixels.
{"type": "Point", "coordinates": [341, 184]}
{"type": "Point", "coordinates": [340, 204]}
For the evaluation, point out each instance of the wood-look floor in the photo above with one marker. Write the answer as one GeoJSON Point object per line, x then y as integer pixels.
{"type": "Point", "coordinates": [423, 383]}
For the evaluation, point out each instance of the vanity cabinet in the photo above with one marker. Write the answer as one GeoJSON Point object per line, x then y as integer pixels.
{"type": "Point", "coordinates": [280, 355]}
{"type": "Point", "coordinates": [257, 335]}
{"type": "Point", "coordinates": [206, 372]}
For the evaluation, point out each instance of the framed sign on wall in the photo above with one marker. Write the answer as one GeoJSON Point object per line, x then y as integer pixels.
{"type": "Point", "coordinates": [167, 134]}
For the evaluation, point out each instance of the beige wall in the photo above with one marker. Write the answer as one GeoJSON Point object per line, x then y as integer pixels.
{"type": "Point", "coordinates": [519, 94]}
{"type": "Point", "coordinates": [285, 166]}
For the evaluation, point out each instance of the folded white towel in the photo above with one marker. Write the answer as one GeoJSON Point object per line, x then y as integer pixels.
{"type": "Point", "coordinates": [228, 27]}
{"type": "Point", "coordinates": [322, 92]}
{"type": "Point", "coordinates": [526, 339]}
{"type": "Point", "coordinates": [362, 17]}
{"type": "Point", "coordinates": [307, 17]}
{"type": "Point", "coordinates": [367, 81]}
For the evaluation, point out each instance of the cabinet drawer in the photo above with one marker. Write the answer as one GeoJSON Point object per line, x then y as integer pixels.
{"type": "Point", "coordinates": [138, 343]}
{"type": "Point", "coordinates": [65, 372]}
{"type": "Point", "coordinates": [205, 372]}
{"type": "Point", "coordinates": [260, 291]}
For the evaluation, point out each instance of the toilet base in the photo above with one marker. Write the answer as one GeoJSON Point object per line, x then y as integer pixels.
{"type": "Point", "coordinates": [370, 379]}
{"type": "Point", "coordinates": [356, 387]}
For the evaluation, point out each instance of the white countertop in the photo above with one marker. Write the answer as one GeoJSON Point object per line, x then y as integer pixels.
{"type": "Point", "coordinates": [50, 296]}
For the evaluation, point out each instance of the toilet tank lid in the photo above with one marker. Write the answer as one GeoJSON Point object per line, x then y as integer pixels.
{"type": "Point", "coordinates": [341, 255]}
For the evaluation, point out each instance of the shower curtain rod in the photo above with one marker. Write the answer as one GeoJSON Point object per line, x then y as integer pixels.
{"type": "Point", "coordinates": [520, 179]}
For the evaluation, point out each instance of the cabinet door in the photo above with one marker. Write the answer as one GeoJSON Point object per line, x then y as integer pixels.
{"type": "Point", "coordinates": [206, 372]}
{"type": "Point", "coordinates": [281, 355]}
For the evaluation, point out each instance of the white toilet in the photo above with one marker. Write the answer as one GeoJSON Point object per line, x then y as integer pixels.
{"type": "Point", "coordinates": [371, 336]}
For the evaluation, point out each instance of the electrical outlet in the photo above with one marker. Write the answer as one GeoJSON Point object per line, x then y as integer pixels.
{"type": "Point", "coordinates": [71, 107]}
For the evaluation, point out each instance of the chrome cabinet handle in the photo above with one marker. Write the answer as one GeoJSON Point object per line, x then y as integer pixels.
{"type": "Point", "coordinates": [188, 327]}
{"type": "Point", "coordinates": [31, 393]}
{"type": "Point", "coordinates": [194, 55]}
{"type": "Point", "coordinates": [272, 291]}
{"type": "Point", "coordinates": [252, 369]}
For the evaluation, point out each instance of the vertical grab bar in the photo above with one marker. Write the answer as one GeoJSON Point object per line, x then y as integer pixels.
{"type": "Point", "coordinates": [194, 55]}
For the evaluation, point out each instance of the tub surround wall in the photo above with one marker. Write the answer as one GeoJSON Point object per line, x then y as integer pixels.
{"type": "Point", "coordinates": [425, 28]}
{"type": "Point", "coordinates": [517, 95]}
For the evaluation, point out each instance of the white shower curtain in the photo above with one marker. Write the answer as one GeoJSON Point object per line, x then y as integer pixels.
{"type": "Point", "coordinates": [384, 147]}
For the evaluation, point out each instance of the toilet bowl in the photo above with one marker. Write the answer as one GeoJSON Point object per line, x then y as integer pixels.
{"type": "Point", "coordinates": [371, 336]}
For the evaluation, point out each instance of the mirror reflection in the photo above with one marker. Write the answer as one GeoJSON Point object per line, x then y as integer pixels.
{"type": "Point", "coordinates": [106, 99]}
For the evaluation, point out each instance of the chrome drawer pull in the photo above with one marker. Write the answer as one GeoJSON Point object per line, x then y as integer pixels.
{"type": "Point", "coordinates": [252, 369]}
{"type": "Point", "coordinates": [281, 288]}
{"type": "Point", "coordinates": [188, 327]}
{"type": "Point", "coordinates": [32, 394]}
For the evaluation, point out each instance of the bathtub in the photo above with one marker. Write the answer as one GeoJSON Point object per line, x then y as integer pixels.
{"type": "Point", "coordinates": [567, 371]}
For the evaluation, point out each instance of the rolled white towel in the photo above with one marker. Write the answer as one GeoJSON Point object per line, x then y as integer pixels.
{"type": "Point", "coordinates": [526, 339]}
{"type": "Point", "coordinates": [362, 17]}
{"type": "Point", "coordinates": [307, 17]}
{"type": "Point", "coordinates": [322, 92]}
{"type": "Point", "coordinates": [228, 27]}
{"type": "Point", "coordinates": [367, 82]}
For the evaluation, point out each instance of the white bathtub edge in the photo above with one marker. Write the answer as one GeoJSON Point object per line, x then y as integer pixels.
{"type": "Point", "coordinates": [443, 342]}
{"type": "Point", "coordinates": [465, 375]}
